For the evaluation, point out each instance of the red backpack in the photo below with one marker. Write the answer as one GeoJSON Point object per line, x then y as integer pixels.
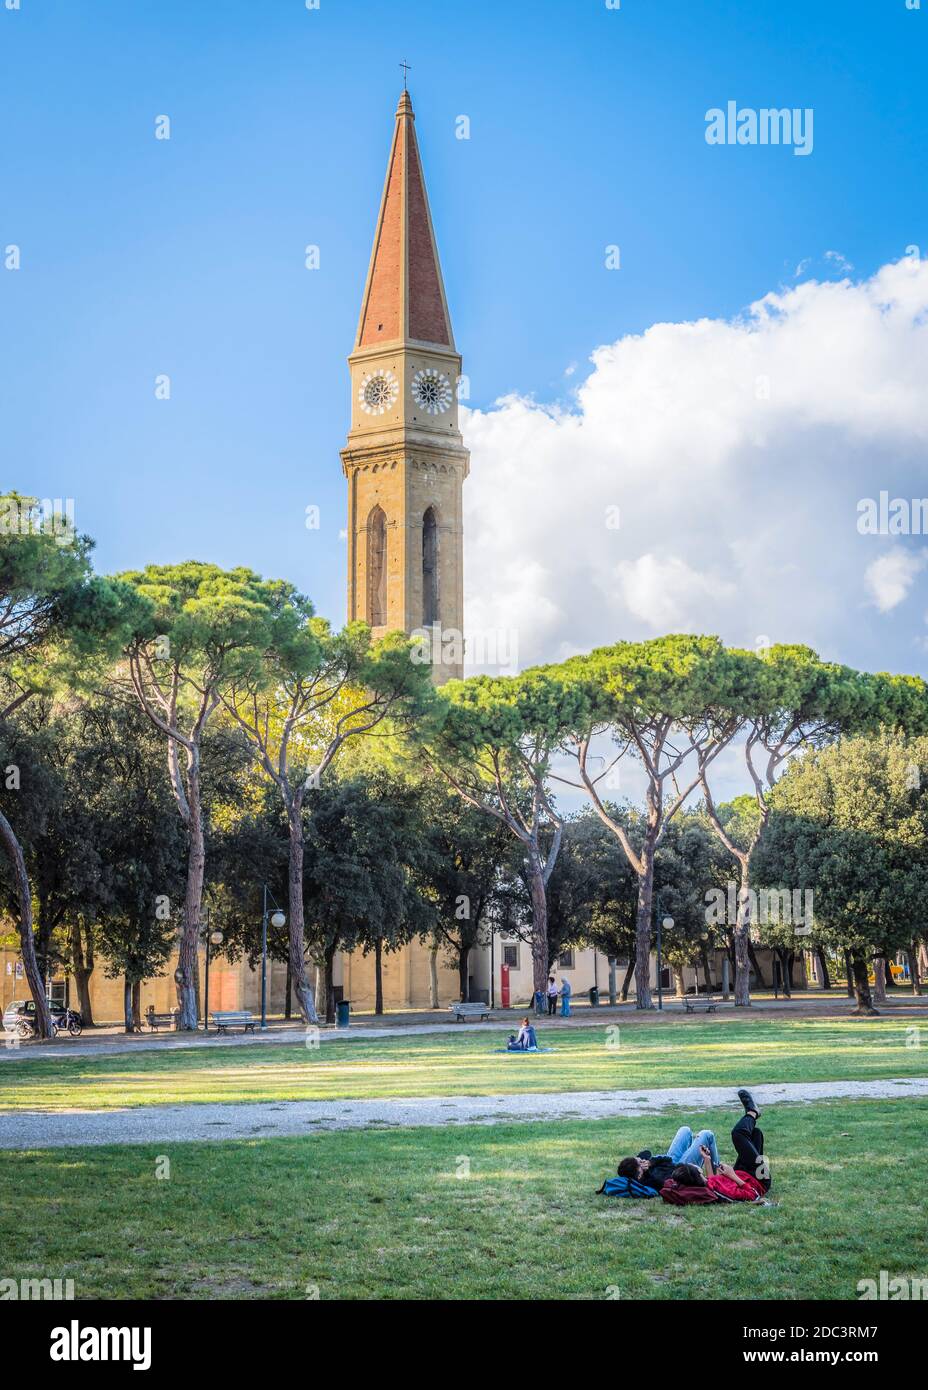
{"type": "Point", "coordinates": [679, 1196]}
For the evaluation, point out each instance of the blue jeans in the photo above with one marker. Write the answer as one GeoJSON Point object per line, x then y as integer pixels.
{"type": "Point", "coordinates": [684, 1147]}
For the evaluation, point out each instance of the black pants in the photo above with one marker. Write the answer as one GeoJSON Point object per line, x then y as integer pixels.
{"type": "Point", "coordinates": [749, 1147]}
{"type": "Point", "coordinates": [552, 1004]}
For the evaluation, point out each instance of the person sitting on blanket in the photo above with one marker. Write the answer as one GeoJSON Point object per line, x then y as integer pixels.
{"type": "Point", "coordinates": [525, 1040]}
{"type": "Point", "coordinates": [653, 1170]}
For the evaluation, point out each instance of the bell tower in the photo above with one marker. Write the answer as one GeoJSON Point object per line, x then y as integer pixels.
{"type": "Point", "coordinates": [405, 461]}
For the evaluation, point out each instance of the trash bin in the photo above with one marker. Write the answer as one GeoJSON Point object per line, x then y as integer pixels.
{"type": "Point", "coordinates": [342, 1013]}
{"type": "Point", "coordinates": [594, 997]}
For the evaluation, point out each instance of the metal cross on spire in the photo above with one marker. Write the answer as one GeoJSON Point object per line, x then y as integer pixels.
{"type": "Point", "coordinates": [405, 66]}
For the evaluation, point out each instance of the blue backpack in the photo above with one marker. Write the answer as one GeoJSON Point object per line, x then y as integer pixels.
{"type": "Point", "coordinates": [625, 1187]}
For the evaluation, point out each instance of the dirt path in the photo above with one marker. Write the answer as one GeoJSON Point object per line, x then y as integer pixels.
{"type": "Point", "coordinates": [171, 1124]}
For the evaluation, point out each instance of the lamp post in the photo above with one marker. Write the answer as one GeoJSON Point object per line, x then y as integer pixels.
{"type": "Point", "coordinates": [667, 924]}
{"type": "Point", "coordinates": [492, 967]}
{"type": "Point", "coordinates": [277, 920]}
{"type": "Point", "coordinates": [214, 938]}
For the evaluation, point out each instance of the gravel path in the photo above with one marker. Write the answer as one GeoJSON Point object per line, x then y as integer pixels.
{"type": "Point", "coordinates": [164, 1124]}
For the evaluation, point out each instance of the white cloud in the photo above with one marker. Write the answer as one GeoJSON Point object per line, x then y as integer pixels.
{"type": "Point", "coordinates": [665, 592]}
{"type": "Point", "coordinates": [890, 577]}
{"type": "Point", "coordinates": [839, 261]}
{"type": "Point", "coordinates": [735, 452]}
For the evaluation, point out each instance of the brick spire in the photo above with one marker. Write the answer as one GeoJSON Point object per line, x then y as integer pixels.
{"type": "Point", "coordinates": [404, 297]}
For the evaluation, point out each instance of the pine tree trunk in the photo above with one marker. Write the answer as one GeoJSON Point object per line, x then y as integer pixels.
{"type": "Point", "coordinates": [196, 982]}
{"type": "Point", "coordinates": [137, 1005]}
{"type": "Point", "coordinates": [128, 1021]}
{"type": "Point", "coordinates": [849, 967]}
{"type": "Point", "coordinates": [823, 967]}
{"type": "Point", "coordinates": [378, 976]}
{"type": "Point", "coordinates": [879, 980]}
{"type": "Point", "coordinates": [81, 969]}
{"type": "Point", "coordinates": [433, 976]}
{"type": "Point", "coordinates": [752, 957]}
{"type": "Point", "coordinates": [296, 956]}
{"type": "Point", "coordinates": [706, 969]}
{"type": "Point", "coordinates": [911, 956]}
{"type": "Point", "coordinates": [643, 917]}
{"type": "Point", "coordinates": [627, 981]}
{"type": "Point", "coordinates": [196, 862]}
{"type": "Point", "coordinates": [862, 985]}
{"type": "Point", "coordinates": [288, 1001]}
{"type": "Point", "coordinates": [319, 993]}
{"type": "Point", "coordinates": [463, 958]}
{"type": "Point", "coordinates": [539, 900]}
{"type": "Point", "coordinates": [742, 935]}
{"type": "Point", "coordinates": [14, 853]}
{"type": "Point", "coordinates": [679, 987]}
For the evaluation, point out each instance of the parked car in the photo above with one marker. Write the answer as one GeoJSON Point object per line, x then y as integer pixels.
{"type": "Point", "coordinates": [19, 1019]}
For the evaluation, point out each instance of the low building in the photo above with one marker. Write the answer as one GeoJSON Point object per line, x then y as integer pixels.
{"type": "Point", "coordinates": [413, 978]}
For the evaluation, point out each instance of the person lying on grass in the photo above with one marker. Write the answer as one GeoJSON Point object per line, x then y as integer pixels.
{"type": "Point", "coordinates": [525, 1040]}
{"type": "Point", "coordinates": [653, 1170]}
{"type": "Point", "coordinates": [696, 1184]}
{"type": "Point", "coordinates": [748, 1140]}
{"type": "Point", "coordinates": [689, 1185]}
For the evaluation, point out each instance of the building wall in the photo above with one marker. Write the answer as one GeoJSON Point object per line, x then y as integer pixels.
{"type": "Point", "coordinates": [406, 980]}
{"type": "Point", "coordinates": [231, 986]}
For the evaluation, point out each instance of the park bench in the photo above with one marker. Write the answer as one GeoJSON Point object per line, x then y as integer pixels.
{"type": "Point", "coordinates": [700, 1003]}
{"type": "Point", "coordinates": [462, 1011]}
{"type": "Point", "coordinates": [156, 1021]}
{"type": "Point", "coordinates": [234, 1018]}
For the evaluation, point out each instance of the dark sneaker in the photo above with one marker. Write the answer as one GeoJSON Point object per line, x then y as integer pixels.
{"type": "Point", "coordinates": [749, 1103]}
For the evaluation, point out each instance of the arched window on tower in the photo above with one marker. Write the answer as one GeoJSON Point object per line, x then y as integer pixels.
{"type": "Point", "coordinates": [377, 568]}
{"type": "Point", "coordinates": [429, 568]}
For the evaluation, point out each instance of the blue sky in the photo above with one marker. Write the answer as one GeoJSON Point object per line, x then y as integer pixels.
{"type": "Point", "coordinates": [185, 257]}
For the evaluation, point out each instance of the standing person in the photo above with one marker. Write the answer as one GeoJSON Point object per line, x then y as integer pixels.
{"type": "Point", "coordinates": [565, 998]}
{"type": "Point", "coordinates": [552, 996]}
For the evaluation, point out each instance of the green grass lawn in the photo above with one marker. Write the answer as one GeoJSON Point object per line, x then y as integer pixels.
{"type": "Point", "coordinates": [384, 1214]}
{"type": "Point", "coordinates": [678, 1051]}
